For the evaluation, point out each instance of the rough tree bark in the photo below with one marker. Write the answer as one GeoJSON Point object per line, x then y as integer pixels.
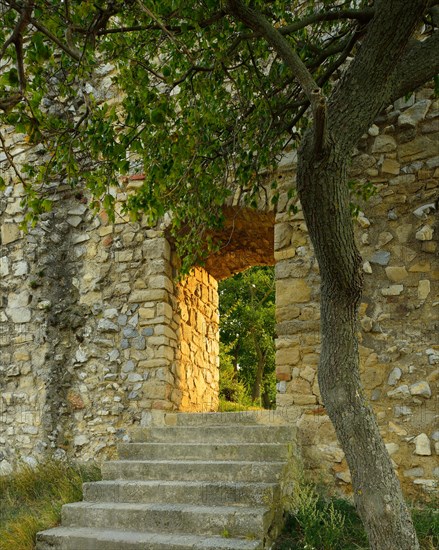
{"type": "Point", "coordinates": [323, 191]}
{"type": "Point", "coordinates": [377, 491]}
{"type": "Point", "coordinates": [372, 80]}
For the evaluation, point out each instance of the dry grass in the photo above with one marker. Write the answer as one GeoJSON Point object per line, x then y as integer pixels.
{"type": "Point", "coordinates": [31, 499]}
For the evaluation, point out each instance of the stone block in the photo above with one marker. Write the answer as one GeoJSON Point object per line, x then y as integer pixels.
{"type": "Point", "coordinates": [10, 233]}
{"type": "Point", "coordinates": [391, 166]}
{"type": "Point", "coordinates": [423, 289]}
{"type": "Point", "coordinates": [384, 144]}
{"type": "Point", "coordinates": [292, 291]}
{"type": "Point", "coordinates": [307, 373]}
{"type": "Point", "coordinates": [286, 313]}
{"type": "Point", "coordinates": [287, 356]}
{"type": "Point", "coordinates": [4, 266]}
{"type": "Point", "coordinates": [423, 266]}
{"type": "Point", "coordinates": [422, 443]}
{"type": "Point", "coordinates": [142, 296]}
{"type": "Point", "coordinates": [284, 254]}
{"type": "Point", "coordinates": [156, 389]}
{"type": "Point", "coordinates": [392, 448]}
{"type": "Point", "coordinates": [392, 290]}
{"type": "Point", "coordinates": [16, 300]}
{"type": "Point", "coordinates": [414, 114]}
{"type": "Point", "coordinates": [283, 373]}
{"type": "Point", "coordinates": [161, 282]}
{"type": "Point", "coordinates": [422, 147]}
{"type": "Point", "coordinates": [301, 400]}
{"type": "Point", "coordinates": [395, 428]}
{"type": "Point", "coordinates": [429, 246]}
{"type": "Point", "coordinates": [382, 257]}
{"type": "Point", "coordinates": [299, 385]}
{"type": "Point", "coordinates": [372, 377]}
{"type": "Point", "coordinates": [400, 392]}
{"type": "Point", "coordinates": [311, 359]}
{"type": "Point", "coordinates": [282, 235]}
{"type": "Point", "coordinates": [396, 274]}
{"type": "Point", "coordinates": [156, 249]}
{"type": "Point", "coordinates": [394, 376]}
{"type": "Point", "coordinates": [421, 388]}
{"type": "Point", "coordinates": [425, 233]}
{"type": "Point", "coordinates": [147, 312]}
{"type": "Point", "coordinates": [404, 179]}
{"type": "Point", "coordinates": [403, 232]}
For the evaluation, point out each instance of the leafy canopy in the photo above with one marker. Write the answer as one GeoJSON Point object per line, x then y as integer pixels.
{"type": "Point", "coordinates": [200, 105]}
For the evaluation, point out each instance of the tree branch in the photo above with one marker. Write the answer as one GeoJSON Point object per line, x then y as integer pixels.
{"type": "Point", "coordinates": [176, 29]}
{"type": "Point", "coordinates": [163, 27]}
{"type": "Point", "coordinates": [72, 53]}
{"type": "Point", "coordinates": [262, 27]}
{"type": "Point", "coordinates": [363, 16]}
{"type": "Point", "coordinates": [319, 124]}
{"type": "Point", "coordinates": [42, 29]}
{"type": "Point", "coordinates": [365, 87]}
{"type": "Point", "coordinates": [11, 160]}
{"type": "Point", "coordinates": [417, 66]}
{"type": "Point", "coordinates": [9, 102]}
{"type": "Point", "coordinates": [25, 18]}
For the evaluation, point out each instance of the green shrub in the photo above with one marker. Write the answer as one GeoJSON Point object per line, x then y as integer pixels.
{"type": "Point", "coordinates": [317, 521]}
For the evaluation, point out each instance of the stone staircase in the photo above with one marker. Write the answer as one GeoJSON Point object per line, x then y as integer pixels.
{"type": "Point", "coordinates": [202, 481]}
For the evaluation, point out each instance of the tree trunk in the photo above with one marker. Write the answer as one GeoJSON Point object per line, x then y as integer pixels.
{"type": "Point", "coordinates": [266, 403]}
{"type": "Point", "coordinates": [323, 191]}
{"type": "Point", "coordinates": [256, 390]}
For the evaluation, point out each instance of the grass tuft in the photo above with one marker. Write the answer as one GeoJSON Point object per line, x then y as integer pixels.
{"type": "Point", "coordinates": [31, 499]}
{"type": "Point", "coordinates": [319, 522]}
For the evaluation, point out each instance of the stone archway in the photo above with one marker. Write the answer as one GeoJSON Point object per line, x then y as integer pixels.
{"type": "Point", "coordinates": [248, 240]}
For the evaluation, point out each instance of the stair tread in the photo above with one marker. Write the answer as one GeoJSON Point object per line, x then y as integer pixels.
{"type": "Point", "coordinates": [175, 507]}
{"type": "Point", "coordinates": [193, 542]}
{"type": "Point", "coordinates": [195, 444]}
{"type": "Point", "coordinates": [280, 428]}
{"type": "Point", "coordinates": [191, 461]}
{"type": "Point", "coordinates": [171, 483]}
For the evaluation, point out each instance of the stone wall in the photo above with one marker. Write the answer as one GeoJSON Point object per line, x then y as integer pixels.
{"type": "Point", "coordinates": [95, 332]}
{"type": "Point", "coordinates": [197, 365]}
{"type": "Point", "coordinates": [397, 233]}
{"type": "Point", "coordinates": [98, 335]}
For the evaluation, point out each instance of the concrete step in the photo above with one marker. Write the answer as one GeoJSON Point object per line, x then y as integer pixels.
{"type": "Point", "coordinates": [188, 482]}
{"type": "Point", "coordinates": [164, 518]}
{"type": "Point", "coordinates": [239, 418]}
{"type": "Point", "coordinates": [215, 434]}
{"type": "Point", "coordinates": [187, 492]}
{"type": "Point", "coordinates": [203, 451]}
{"type": "Point", "coordinates": [75, 538]}
{"type": "Point", "coordinates": [186, 470]}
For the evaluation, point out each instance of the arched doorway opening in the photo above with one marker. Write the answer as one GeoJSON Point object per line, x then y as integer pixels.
{"type": "Point", "coordinates": [247, 240]}
{"type": "Point", "coordinates": [247, 340]}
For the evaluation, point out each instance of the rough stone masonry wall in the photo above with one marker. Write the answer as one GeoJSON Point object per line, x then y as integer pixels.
{"type": "Point", "coordinates": [197, 365]}
{"type": "Point", "coordinates": [398, 239]}
{"type": "Point", "coordinates": [96, 334]}
{"type": "Point", "coordinates": [92, 327]}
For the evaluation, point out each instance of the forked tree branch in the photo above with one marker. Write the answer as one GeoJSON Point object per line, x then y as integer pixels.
{"type": "Point", "coordinates": [257, 22]}
{"type": "Point", "coordinates": [262, 27]}
{"type": "Point", "coordinates": [363, 16]}
{"type": "Point", "coordinates": [39, 26]}
{"type": "Point", "coordinates": [419, 65]}
{"type": "Point", "coordinates": [9, 102]}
